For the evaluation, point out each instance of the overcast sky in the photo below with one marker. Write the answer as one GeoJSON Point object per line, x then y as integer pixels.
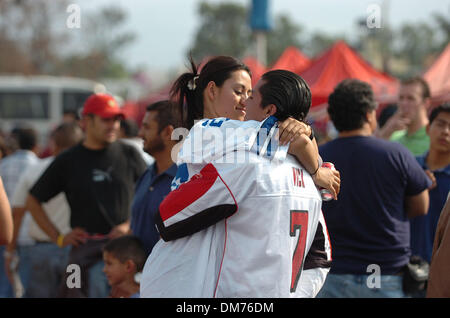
{"type": "Point", "coordinates": [165, 28]}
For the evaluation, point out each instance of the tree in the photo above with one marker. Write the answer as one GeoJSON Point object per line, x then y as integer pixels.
{"type": "Point", "coordinates": [285, 33]}
{"type": "Point", "coordinates": [223, 31]}
{"type": "Point", "coordinates": [34, 38]}
{"type": "Point", "coordinates": [416, 43]}
{"type": "Point", "coordinates": [28, 36]}
{"type": "Point", "coordinates": [443, 24]}
{"type": "Point", "coordinates": [319, 42]}
{"type": "Point", "coordinates": [102, 41]}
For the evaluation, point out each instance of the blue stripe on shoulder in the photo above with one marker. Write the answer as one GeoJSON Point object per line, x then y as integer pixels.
{"type": "Point", "coordinates": [266, 127]}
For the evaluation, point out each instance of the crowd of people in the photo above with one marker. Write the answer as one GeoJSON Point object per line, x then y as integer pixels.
{"type": "Point", "coordinates": [128, 206]}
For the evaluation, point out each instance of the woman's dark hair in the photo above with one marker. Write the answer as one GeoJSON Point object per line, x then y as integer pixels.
{"type": "Point", "coordinates": [349, 103]}
{"type": "Point", "coordinates": [187, 90]}
{"type": "Point", "coordinates": [288, 91]}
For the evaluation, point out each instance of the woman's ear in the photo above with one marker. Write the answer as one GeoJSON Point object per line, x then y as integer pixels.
{"type": "Point", "coordinates": [211, 90]}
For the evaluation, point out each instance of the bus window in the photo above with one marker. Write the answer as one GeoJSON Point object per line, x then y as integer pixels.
{"type": "Point", "coordinates": [74, 100]}
{"type": "Point", "coordinates": [24, 105]}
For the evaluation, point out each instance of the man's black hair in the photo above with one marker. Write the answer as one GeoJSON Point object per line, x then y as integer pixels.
{"type": "Point", "coordinates": [26, 137]}
{"type": "Point", "coordinates": [288, 92]}
{"type": "Point", "coordinates": [436, 111]}
{"type": "Point", "coordinates": [349, 103]}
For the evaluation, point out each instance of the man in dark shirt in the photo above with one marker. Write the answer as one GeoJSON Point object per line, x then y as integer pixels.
{"type": "Point", "coordinates": [158, 124]}
{"type": "Point", "coordinates": [436, 161]}
{"type": "Point", "coordinates": [382, 185]}
{"type": "Point", "coordinates": [98, 178]}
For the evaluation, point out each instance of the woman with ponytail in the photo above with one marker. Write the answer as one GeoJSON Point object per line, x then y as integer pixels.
{"type": "Point", "coordinates": [220, 89]}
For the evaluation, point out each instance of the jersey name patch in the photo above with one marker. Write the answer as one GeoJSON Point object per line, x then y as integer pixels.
{"type": "Point", "coordinates": [298, 177]}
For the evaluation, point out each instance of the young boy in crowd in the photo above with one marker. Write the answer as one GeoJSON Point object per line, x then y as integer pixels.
{"type": "Point", "coordinates": [124, 259]}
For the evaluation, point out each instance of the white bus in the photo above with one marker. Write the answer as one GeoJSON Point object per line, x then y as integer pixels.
{"type": "Point", "coordinates": [41, 101]}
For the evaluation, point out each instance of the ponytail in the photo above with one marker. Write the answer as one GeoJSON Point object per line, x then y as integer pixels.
{"type": "Point", "coordinates": [183, 93]}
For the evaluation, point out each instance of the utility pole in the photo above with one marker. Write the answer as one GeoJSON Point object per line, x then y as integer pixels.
{"type": "Point", "coordinates": [260, 23]}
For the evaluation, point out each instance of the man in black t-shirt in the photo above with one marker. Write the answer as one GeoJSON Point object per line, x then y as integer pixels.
{"type": "Point", "coordinates": [98, 178]}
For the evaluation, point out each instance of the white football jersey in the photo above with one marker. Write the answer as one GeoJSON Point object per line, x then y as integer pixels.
{"type": "Point", "coordinates": [240, 229]}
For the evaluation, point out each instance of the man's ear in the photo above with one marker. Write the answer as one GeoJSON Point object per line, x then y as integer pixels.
{"type": "Point", "coordinates": [270, 110]}
{"type": "Point", "coordinates": [166, 133]}
{"type": "Point", "coordinates": [371, 119]}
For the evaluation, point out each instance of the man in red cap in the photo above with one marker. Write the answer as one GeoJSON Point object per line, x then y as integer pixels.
{"type": "Point", "coordinates": [101, 117]}
{"type": "Point", "coordinates": [98, 178]}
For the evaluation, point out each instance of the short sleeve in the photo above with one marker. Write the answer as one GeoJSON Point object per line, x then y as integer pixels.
{"type": "Point", "coordinates": [417, 179]}
{"type": "Point", "coordinates": [51, 181]}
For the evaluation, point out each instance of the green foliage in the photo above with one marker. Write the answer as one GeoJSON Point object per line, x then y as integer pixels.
{"type": "Point", "coordinates": [33, 42]}
{"type": "Point", "coordinates": [319, 42]}
{"type": "Point", "coordinates": [284, 34]}
{"type": "Point", "coordinates": [103, 41]}
{"type": "Point", "coordinates": [223, 30]}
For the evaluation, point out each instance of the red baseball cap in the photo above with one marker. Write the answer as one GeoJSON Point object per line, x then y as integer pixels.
{"type": "Point", "coordinates": [102, 105]}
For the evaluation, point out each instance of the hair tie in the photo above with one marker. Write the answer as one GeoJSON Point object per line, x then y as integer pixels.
{"type": "Point", "coordinates": [192, 85]}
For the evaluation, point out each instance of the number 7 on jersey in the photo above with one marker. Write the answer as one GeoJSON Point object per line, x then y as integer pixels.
{"type": "Point", "coordinates": [299, 221]}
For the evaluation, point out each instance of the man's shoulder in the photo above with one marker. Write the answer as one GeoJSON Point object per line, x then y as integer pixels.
{"type": "Point", "coordinates": [146, 175]}
{"type": "Point", "coordinates": [70, 154]}
{"type": "Point", "coordinates": [6, 161]}
{"type": "Point", "coordinates": [368, 145]}
{"type": "Point", "coordinates": [37, 168]}
{"type": "Point", "coordinates": [18, 159]}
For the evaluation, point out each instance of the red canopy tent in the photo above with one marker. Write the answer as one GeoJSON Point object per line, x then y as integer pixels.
{"type": "Point", "coordinates": [338, 63]}
{"type": "Point", "coordinates": [438, 77]}
{"type": "Point", "coordinates": [256, 68]}
{"type": "Point", "coordinates": [292, 59]}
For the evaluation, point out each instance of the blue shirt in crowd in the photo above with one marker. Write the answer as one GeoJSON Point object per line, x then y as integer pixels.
{"type": "Point", "coordinates": [151, 189]}
{"type": "Point", "coordinates": [368, 223]}
{"type": "Point", "coordinates": [423, 228]}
